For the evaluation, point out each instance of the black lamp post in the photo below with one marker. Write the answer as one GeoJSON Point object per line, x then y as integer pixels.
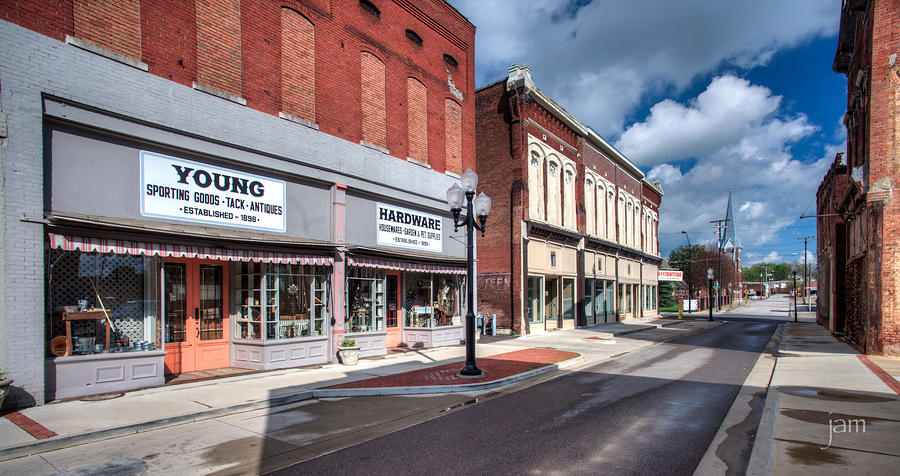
{"type": "Point", "coordinates": [690, 261]}
{"type": "Point", "coordinates": [456, 195]}
{"type": "Point", "coordinates": [794, 270]}
{"type": "Point", "coordinates": [710, 277]}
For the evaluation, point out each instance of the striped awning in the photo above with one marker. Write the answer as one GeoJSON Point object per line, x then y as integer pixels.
{"type": "Point", "coordinates": [102, 245]}
{"type": "Point", "coordinates": [404, 265]}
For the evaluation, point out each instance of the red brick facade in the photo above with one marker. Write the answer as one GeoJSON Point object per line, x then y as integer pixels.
{"type": "Point", "coordinates": [301, 58]}
{"type": "Point", "coordinates": [115, 25]}
{"type": "Point", "coordinates": [859, 222]}
{"type": "Point", "coordinates": [506, 115]}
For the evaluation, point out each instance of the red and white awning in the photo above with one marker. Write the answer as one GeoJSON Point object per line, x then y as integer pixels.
{"type": "Point", "coordinates": [101, 245]}
{"type": "Point", "coordinates": [404, 265]}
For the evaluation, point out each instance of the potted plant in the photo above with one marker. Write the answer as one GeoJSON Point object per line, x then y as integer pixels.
{"type": "Point", "coordinates": [348, 352]}
{"type": "Point", "coordinates": [5, 381]}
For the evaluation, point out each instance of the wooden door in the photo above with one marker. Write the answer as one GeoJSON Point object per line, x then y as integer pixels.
{"type": "Point", "coordinates": [195, 314]}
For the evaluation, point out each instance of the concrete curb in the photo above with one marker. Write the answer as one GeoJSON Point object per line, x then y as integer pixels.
{"type": "Point", "coordinates": [65, 441]}
{"type": "Point", "coordinates": [432, 389]}
{"type": "Point", "coordinates": [761, 457]}
{"type": "Point", "coordinates": [758, 380]}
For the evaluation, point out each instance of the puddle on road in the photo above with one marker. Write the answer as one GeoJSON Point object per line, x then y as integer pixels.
{"type": "Point", "coordinates": [827, 418]}
{"type": "Point", "coordinates": [811, 455]}
{"type": "Point", "coordinates": [833, 395]}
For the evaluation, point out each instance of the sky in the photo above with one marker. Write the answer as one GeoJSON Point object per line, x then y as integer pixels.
{"type": "Point", "coordinates": [701, 95]}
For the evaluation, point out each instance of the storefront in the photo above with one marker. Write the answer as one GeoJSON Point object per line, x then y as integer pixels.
{"type": "Point", "coordinates": [599, 287]}
{"type": "Point", "coordinates": [629, 297]}
{"type": "Point", "coordinates": [552, 276]}
{"type": "Point", "coordinates": [123, 314]}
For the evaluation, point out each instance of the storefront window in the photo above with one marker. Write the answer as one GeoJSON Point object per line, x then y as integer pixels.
{"type": "Point", "coordinates": [589, 299]}
{"type": "Point", "coordinates": [610, 298]}
{"type": "Point", "coordinates": [535, 298]}
{"type": "Point", "coordinates": [568, 299]}
{"type": "Point", "coordinates": [107, 303]}
{"type": "Point", "coordinates": [432, 300]}
{"type": "Point", "coordinates": [599, 304]}
{"type": "Point", "coordinates": [365, 300]}
{"type": "Point", "coordinates": [286, 300]}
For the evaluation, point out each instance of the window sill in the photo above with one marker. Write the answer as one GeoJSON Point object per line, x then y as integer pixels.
{"type": "Point", "coordinates": [106, 53]}
{"type": "Point", "coordinates": [220, 94]}
{"type": "Point", "coordinates": [418, 162]}
{"type": "Point", "coordinates": [374, 147]}
{"type": "Point", "coordinates": [298, 120]}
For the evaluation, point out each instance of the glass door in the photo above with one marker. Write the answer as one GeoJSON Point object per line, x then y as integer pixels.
{"type": "Point", "coordinates": [194, 310]}
{"type": "Point", "coordinates": [551, 304]}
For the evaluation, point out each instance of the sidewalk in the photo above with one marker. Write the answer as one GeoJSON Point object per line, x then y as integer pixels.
{"type": "Point", "coordinates": [69, 423]}
{"type": "Point", "coordinates": [827, 411]}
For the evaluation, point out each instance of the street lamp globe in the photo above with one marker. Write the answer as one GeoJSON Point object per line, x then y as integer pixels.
{"type": "Point", "coordinates": [456, 196]}
{"type": "Point", "coordinates": [482, 205]}
{"type": "Point", "coordinates": [469, 180]}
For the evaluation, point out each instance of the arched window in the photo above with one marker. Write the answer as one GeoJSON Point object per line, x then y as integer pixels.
{"type": "Point", "coordinates": [417, 119]}
{"type": "Point", "coordinates": [610, 213]}
{"type": "Point", "coordinates": [453, 136]}
{"type": "Point", "coordinates": [413, 37]}
{"type": "Point", "coordinates": [553, 191]}
{"type": "Point", "coordinates": [536, 186]}
{"type": "Point", "coordinates": [298, 66]}
{"type": "Point", "coordinates": [600, 193]}
{"type": "Point", "coordinates": [451, 61]}
{"type": "Point", "coordinates": [374, 108]}
{"type": "Point", "coordinates": [621, 223]}
{"type": "Point", "coordinates": [589, 197]}
{"type": "Point", "coordinates": [569, 198]}
{"type": "Point", "coordinates": [629, 223]}
{"type": "Point", "coordinates": [370, 8]}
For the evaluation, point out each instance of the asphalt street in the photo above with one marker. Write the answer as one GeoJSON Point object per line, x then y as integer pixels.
{"type": "Point", "coordinates": [654, 411]}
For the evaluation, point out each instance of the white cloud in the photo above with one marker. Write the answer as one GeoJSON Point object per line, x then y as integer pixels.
{"type": "Point", "coordinates": [734, 134]}
{"type": "Point", "coordinates": [728, 110]}
{"type": "Point", "coordinates": [601, 60]}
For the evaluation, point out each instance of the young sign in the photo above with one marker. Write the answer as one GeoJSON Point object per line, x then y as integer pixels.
{"type": "Point", "coordinates": [184, 190]}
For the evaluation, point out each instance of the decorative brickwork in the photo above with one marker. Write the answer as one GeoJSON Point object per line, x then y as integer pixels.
{"type": "Point", "coordinates": [114, 25]}
{"type": "Point", "coordinates": [374, 109]}
{"type": "Point", "coordinates": [417, 103]}
{"type": "Point", "coordinates": [453, 126]}
{"type": "Point", "coordinates": [219, 45]}
{"type": "Point", "coordinates": [298, 66]}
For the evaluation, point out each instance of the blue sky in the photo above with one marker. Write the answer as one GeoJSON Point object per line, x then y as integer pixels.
{"type": "Point", "coordinates": [701, 95]}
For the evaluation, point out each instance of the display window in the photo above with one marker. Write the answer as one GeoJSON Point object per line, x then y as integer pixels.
{"type": "Point", "coordinates": [365, 302]}
{"type": "Point", "coordinates": [279, 301]}
{"type": "Point", "coordinates": [535, 299]}
{"type": "Point", "coordinates": [102, 303]}
{"type": "Point", "coordinates": [432, 299]}
{"type": "Point", "coordinates": [568, 299]}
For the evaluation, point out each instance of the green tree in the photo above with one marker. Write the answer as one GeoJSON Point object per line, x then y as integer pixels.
{"type": "Point", "coordinates": [665, 294]}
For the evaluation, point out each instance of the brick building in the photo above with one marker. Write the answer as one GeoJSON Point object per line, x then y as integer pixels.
{"type": "Point", "coordinates": [859, 218]}
{"type": "Point", "coordinates": [573, 233]}
{"type": "Point", "coordinates": [226, 183]}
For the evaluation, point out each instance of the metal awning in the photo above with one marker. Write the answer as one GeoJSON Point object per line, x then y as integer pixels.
{"type": "Point", "coordinates": [130, 247]}
{"type": "Point", "coordinates": [381, 263]}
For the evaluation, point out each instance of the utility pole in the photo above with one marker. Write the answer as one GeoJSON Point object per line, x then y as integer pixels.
{"type": "Point", "coordinates": [718, 224]}
{"type": "Point", "coordinates": [690, 266]}
{"type": "Point", "coordinates": [805, 272]}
